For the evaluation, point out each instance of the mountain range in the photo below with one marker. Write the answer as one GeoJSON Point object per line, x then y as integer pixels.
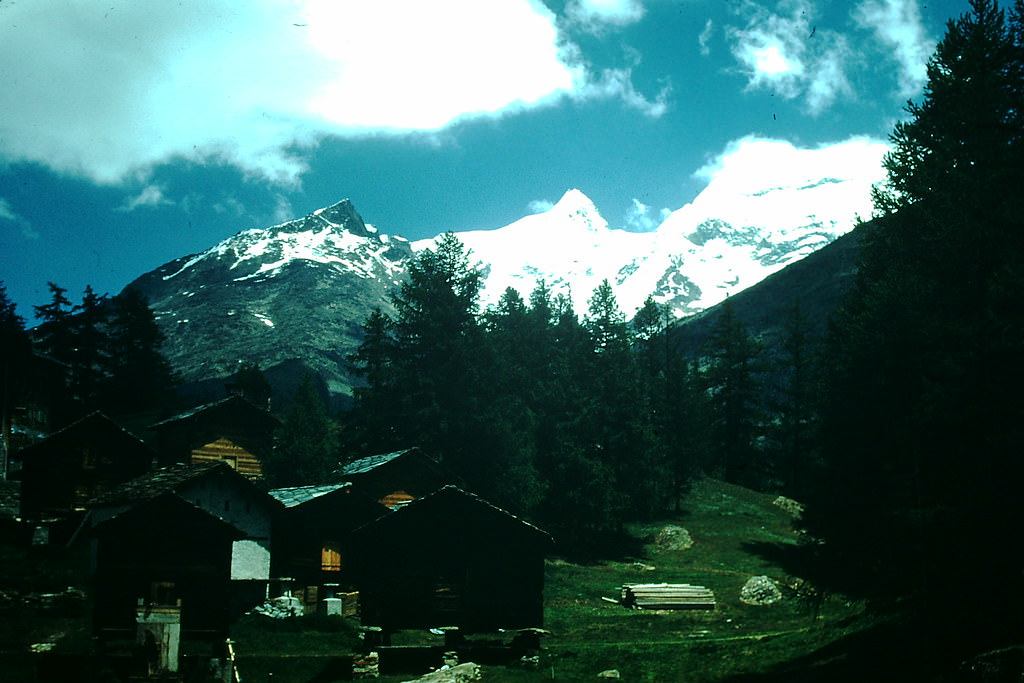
{"type": "Point", "coordinates": [293, 296]}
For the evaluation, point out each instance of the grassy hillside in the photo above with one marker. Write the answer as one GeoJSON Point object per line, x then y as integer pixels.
{"type": "Point", "coordinates": [727, 523]}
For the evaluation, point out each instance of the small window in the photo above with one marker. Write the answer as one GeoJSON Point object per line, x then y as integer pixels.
{"type": "Point", "coordinates": [396, 498]}
{"type": "Point", "coordinates": [162, 593]}
{"type": "Point", "coordinates": [330, 557]}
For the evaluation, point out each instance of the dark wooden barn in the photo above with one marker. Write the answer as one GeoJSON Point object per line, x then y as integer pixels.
{"type": "Point", "coordinates": [163, 551]}
{"type": "Point", "coordinates": [312, 537]}
{"type": "Point", "coordinates": [395, 478]}
{"type": "Point", "coordinates": [217, 489]}
{"type": "Point", "coordinates": [61, 473]}
{"type": "Point", "coordinates": [451, 559]}
{"type": "Point", "coordinates": [232, 430]}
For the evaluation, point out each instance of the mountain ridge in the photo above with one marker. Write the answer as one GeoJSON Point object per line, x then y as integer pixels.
{"type": "Point", "coordinates": [296, 294]}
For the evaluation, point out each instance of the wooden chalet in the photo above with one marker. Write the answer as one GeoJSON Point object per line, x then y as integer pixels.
{"type": "Point", "coordinates": [164, 552]}
{"type": "Point", "coordinates": [451, 559]}
{"type": "Point", "coordinates": [64, 471]}
{"type": "Point", "coordinates": [395, 478]}
{"type": "Point", "coordinates": [232, 430]}
{"type": "Point", "coordinates": [312, 538]}
{"type": "Point", "coordinates": [218, 490]}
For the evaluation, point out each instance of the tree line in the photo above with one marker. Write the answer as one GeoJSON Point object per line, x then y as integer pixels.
{"type": "Point", "coordinates": [103, 353]}
{"type": "Point", "coordinates": [579, 423]}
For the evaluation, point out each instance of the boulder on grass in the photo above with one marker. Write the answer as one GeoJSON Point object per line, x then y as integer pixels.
{"type": "Point", "coordinates": [760, 590]}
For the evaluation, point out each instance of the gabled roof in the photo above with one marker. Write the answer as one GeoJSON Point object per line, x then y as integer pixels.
{"type": "Point", "coordinates": [95, 423]}
{"type": "Point", "coordinates": [297, 495]}
{"type": "Point", "coordinates": [169, 479]}
{"type": "Point", "coordinates": [364, 465]}
{"type": "Point", "coordinates": [231, 403]}
{"type": "Point", "coordinates": [450, 496]}
{"type": "Point", "coordinates": [175, 514]}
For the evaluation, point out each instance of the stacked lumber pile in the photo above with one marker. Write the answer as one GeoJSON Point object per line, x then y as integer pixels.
{"type": "Point", "coordinates": [667, 596]}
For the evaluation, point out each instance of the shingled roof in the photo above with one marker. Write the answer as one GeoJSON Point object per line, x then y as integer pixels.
{"type": "Point", "coordinates": [155, 483]}
{"type": "Point", "coordinates": [297, 495]}
{"type": "Point", "coordinates": [364, 465]}
{"type": "Point", "coordinates": [233, 402]}
{"type": "Point", "coordinates": [447, 496]}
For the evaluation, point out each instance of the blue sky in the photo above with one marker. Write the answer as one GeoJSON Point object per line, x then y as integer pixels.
{"type": "Point", "coordinates": [134, 133]}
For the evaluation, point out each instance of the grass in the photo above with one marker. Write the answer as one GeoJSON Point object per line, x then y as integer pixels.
{"type": "Point", "coordinates": [725, 522]}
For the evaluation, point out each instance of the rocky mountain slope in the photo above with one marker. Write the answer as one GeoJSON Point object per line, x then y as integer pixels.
{"type": "Point", "coordinates": [287, 296]}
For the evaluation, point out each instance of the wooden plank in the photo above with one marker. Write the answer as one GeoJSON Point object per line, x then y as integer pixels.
{"type": "Point", "coordinates": [667, 596]}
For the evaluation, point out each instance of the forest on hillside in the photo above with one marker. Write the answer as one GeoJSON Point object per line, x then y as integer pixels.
{"type": "Point", "coordinates": [900, 432]}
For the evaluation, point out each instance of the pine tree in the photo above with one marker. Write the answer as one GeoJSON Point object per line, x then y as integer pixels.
{"type": "Point", "coordinates": [141, 378]}
{"type": "Point", "coordinates": [306, 446]}
{"type": "Point", "coordinates": [15, 352]}
{"type": "Point", "coordinates": [90, 362]}
{"type": "Point", "coordinates": [922, 431]}
{"type": "Point", "coordinates": [55, 336]}
{"type": "Point", "coordinates": [734, 392]}
{"type": "Point", "coordinates": [676, 398]}
{"type": "Point", "coordinates": [55, 339]}
{"type": "Point", "coordinates": [794, 404]}
{"type": "Point", "coordinates": [252, 384]}
{"type": "Point", "coordinates": [618, 423]}
{"type": "Point", "coordinates": [430, 353]}
{"type": "Point", "coordinates": [371, 424]}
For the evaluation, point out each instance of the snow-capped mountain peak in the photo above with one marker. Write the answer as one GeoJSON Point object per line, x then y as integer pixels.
{"type": "Point", "coordinates": [722, 242]}
{"type": "Point", "coordinates": [334, 236]}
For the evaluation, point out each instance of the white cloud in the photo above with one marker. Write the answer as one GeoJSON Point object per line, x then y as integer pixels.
{"type": "Point", "coordinates": [741, 169]}
{"type": "Point", "coordinates": [618, 84]}
{"type": "Point", "coordinates": [704, 39]}
{"type": "Point", "coordinates": [108, 91]}
{"type": "Point", "coordinates": [150, 197]}
{"type": "Point", "coordinates": [595, 15]}
{"type": "Point", "coordinates": [789, 55]}
{"type": "Point", "coordinates": [540, 205]}
{"type": "Point", "coordinates": [897, 25]}
{"type": "Point", "coordinates": [7, 214]}
{"type": "Point", "coordinates": [283, 211]}
{"type": "Point", "coordinates": [640, 218]}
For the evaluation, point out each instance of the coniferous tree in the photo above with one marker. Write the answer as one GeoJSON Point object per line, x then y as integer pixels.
{"type": "Point", "coordinates": [306, 446]}
{"type": "Point", "coordinates": [429, 351]}
{"type": "Point", "coordinates": [251, 383]}
{"type": "Point", "coordinates": [507, 419]}
{"type": "Point", "coordinates": [622, 437]}
{"type": "Point", "coordinates": [794, 404]}
{"type": "Point", "coordinates": [90, 362]}
{"type": "Point", "coordinates": [141, 379]}
{"type": "Point", "coordinates": [55, 337]}
{"type": "Point", "coordinates": [15, 352]}
{"type": "Point", "coordinates": [734, 393]}
{"type": "Point", "coordinates": [677, 400]}
{"type": "Point", "coordinates": [371, 424]}
{"type": "Point", "coordinates": [922, 429]}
